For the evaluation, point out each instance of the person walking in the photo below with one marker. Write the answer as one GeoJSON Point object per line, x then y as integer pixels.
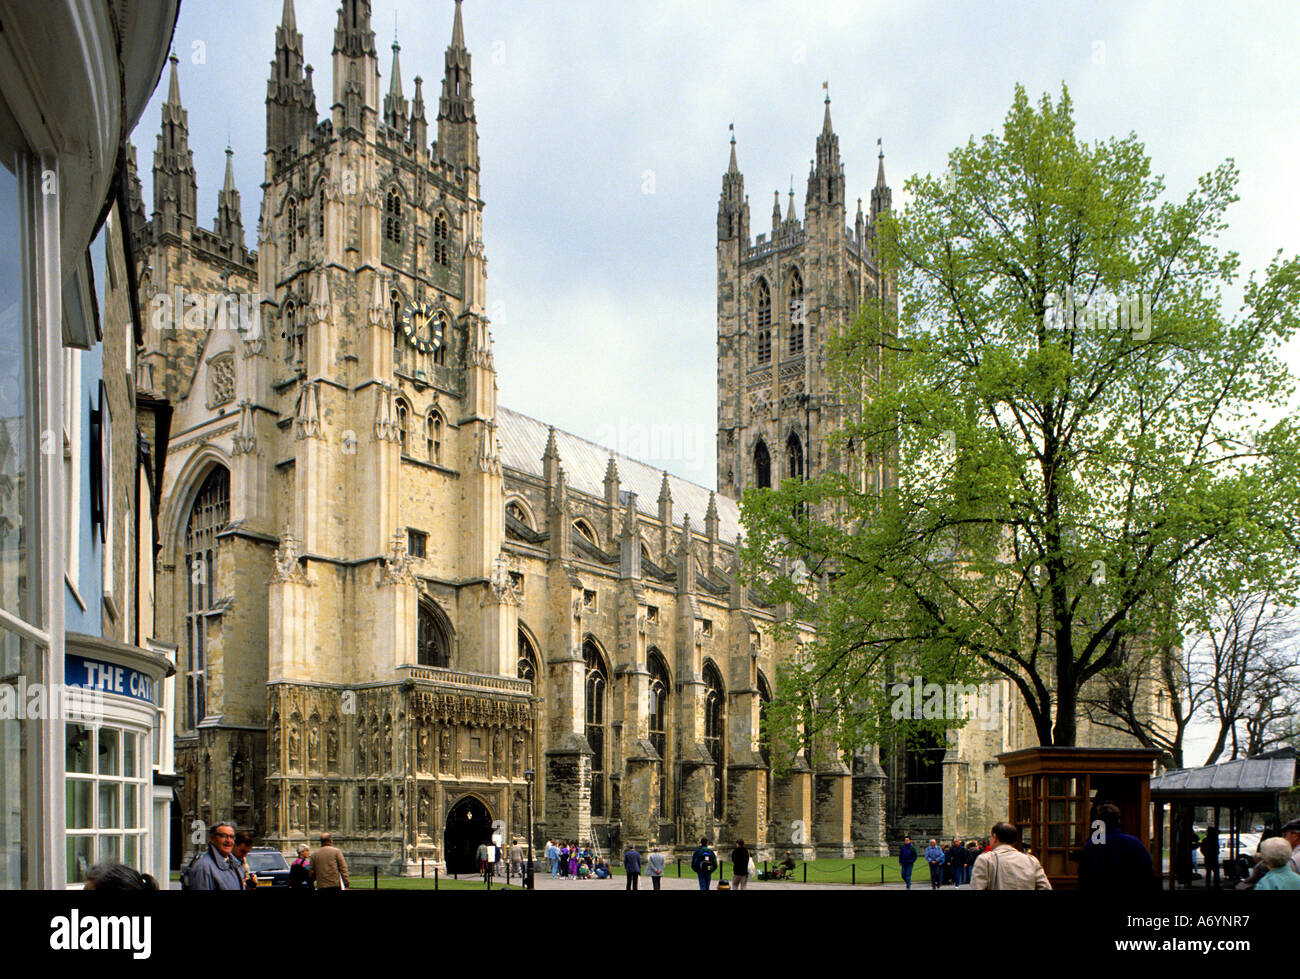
{"type": "Point", "coordinates": [906, 858]}
{"type": "Point", "coordinates": [243, 844]}
{"type": "Point", "coordinates": [328, 868]}
{"type": "Point", "coordinates": [934, 857]}
{"type": "Point", "coordinates": [553, 858]}
{"type": "Point", "coordinates": [632, 866]}
{"type": "Point", "coordinates": [704, 862]}
{"type": "Point", "coordinates": [216, 869]}
{"type": "Point", "coordinates": [961, 862]}
{"type": "Point", "coordinates": [573, 860]}
{"type": "Point", "coordinates": [517, 860]}
{"type": "Point", "coordinates": [740, 867]}
{"type": "Point", "coordinates": [1004, 868]}
{"type": "Point", "coordinates": [300, 870]}
{"type": "Point", "coordinates": [564, 859]}
{"type": "Point", "coordinates": [655, 863]}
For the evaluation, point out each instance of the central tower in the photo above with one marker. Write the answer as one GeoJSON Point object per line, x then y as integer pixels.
{"type": "Point", "coordinates": [779, 298]}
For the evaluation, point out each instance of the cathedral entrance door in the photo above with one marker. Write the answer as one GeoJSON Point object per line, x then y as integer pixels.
{"type": "Point", "coordinates": [468, 824]}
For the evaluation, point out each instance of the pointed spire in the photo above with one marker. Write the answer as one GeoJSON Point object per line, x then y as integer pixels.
{"type": "Point", "coordinates": [665, 493]}
{"type": "Point", "coordinates": [175, 185]}
{"type": "Point", "coordinates": [733, 208]}
{"type": "Point", "coordinates": [611, 470]}
{"type": "Point", "coordinates": [395, 87]}
{"type": "Point", "coordinates": [395, 109]}
{"type": "Point", "coordinates": [419, 127]}
{"type": "Point", "coordinates": [457, 123]}
{"type": "Point", "coordinates": [826, 181]}
{"type": "Point", "coordinates": [290, 101]}
{"type": "Point", "coordinates": [734, 167]}
{"type": "Point", "coordinates": [881, 196]}
{"type": "Point", "coordinates": [827, 128]}
{"type": "Point", "coordinates": [790, 216]}
{"type": "Point", "coordinates": [174, 86]}
{"type": "Point", "coordinates": [287, 17]}
{"type": "Point", "coordinates": [776, 212]}
{"type": "Point", "coordinates": [880, 166]}
{"type": "Point", "coordinates": [229, 186]}
{"type": "Point", "coordinates": [458, 29]}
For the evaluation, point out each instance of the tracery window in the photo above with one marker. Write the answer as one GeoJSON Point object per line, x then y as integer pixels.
{"type": "Point", "coordinates": [441, 235]}
{"type": "Point", "coordinates": [208, 516]}
{"type": "Point", "coordinates": [659, 690]}
{"type": "Point", "coordinates": [291, 232]}
{"type": "Point", "coordinates": [393, 217]}
{"type": "Point", "coordinates": [796, 313]}
{"type": "Point", "coordinates": [595, 692]}
{"type": "Point", "coordinates": [764, 333]}
{"type": "Point", "coordinates": [434, 646]}
{"type": "Point", "coordinates": [433, 437]}
{"type": "Point", "coordinates": [762, 466]}
{"type": "Point", "coordinates": [715, 727]}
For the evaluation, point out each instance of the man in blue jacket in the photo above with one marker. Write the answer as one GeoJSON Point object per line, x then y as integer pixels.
{"type": "Point", "coordinates": [907, 857]}
{"type": "Point", "coordinates": [216, 869]}
{"type": "Point", "coordinates": [934, 857]}
{"type": "Point", "coordinates": [632, 865]}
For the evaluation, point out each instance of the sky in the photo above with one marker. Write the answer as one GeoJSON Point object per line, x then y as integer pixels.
{"type": "Point", "coordinates": [604, 137]}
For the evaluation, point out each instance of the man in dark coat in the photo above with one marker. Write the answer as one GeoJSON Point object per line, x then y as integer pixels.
{"type": "Point", "coordinates": [906, 858]}
{"type": "Point", "coordinates": [632, 866]}
{"type": "Point", "coordinates": [704, 862]}
{"type": "Point", "coordinates": [1114, 862]}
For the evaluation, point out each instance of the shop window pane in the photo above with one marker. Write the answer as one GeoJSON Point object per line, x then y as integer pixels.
{"type": "Point", "coordinates": [110, 806]}
{"type": "Point", "coordinates": [81, 854]}
{"type": "Point", "coordinates": [131, 806]}
{"type": "Point", "coordinates": [130, 753]}
{"type": "Point", "coordinates": [80, 814]}
{"type": "Point", "coordinates": [80, 743]}
{"type": "Point", "coordinates": [110, 848]}
{"type": "Point", "coordinates": [15, 468]}
{"type": "Point", "coordinates": [1056, 785]}
{"type": "Point", "coordinates": [110, 748]}
{"type": "Point", "coordinates": [1056, 811]}
{"type": "Point", "coordinates": [130, 851]}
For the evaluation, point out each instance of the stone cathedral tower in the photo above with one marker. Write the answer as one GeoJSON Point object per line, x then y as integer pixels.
{"type": "Point", "coordinates": [779, 298]}
{"type": "Point", "coordinates": [395, 599]}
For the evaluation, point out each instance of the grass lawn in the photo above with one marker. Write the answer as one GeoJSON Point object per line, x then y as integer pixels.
{"type": "Point", "coordinates": [863, 870]}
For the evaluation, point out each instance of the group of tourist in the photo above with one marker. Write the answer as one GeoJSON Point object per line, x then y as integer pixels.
{"type": "Point", "coordinates": [576, 861]}
{"type": "Point", "coordinates": [949, 864]}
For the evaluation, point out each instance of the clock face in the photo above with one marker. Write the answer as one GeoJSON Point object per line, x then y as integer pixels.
{"type": "Point", "coordinates": [421, 329]}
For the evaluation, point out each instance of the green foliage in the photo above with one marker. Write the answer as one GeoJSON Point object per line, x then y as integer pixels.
{"type": "Point", "coordinates": [1053, 424]}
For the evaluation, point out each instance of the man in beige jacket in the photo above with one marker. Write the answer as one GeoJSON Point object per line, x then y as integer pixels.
{"type": "Point", "coordinates": [328, 868]}
{"type": "Point", "coordinates": [1004, 868]}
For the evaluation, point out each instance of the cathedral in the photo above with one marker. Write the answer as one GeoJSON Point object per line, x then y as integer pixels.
{"type": "Point", "coordinates": [417, 619]}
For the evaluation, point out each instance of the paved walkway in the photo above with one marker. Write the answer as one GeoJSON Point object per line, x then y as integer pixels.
{"type": "Point", "coordinates": [545, 883]}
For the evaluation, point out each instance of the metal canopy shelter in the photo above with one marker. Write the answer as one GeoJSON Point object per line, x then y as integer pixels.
{"type": "Point", "coordinates": [1247, 785]}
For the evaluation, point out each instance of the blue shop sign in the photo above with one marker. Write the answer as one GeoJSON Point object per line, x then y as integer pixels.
{"type": "Point", "coordinates": [91, 674]}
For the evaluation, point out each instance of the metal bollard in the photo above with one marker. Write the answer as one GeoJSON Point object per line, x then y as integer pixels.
{"type": "Point", "coordinates": [882, 873]}
{"type": "Point", "coordinates": [422, 868]}
{"type": "Point", "coordinates": [853, 873]}
{"type": "Point", "coordinates": [376, 878]}
{"type": "Point", "coordinates": [435, 878]}
{"type": "Point", "coordinates": [805, 871]}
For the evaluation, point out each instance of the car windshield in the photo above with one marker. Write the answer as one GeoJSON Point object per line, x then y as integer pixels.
{"type": "Point", "coordinates": [266, 860]}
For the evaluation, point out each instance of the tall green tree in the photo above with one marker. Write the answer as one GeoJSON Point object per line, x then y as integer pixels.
{"type": "Point", "coordinates": [1072, 424]}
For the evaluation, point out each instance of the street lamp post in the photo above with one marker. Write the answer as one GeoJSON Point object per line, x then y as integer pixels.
{"type": "Point", "coordinates": [528, 882]}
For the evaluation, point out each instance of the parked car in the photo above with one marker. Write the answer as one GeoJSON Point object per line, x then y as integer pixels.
{"type": "Point", "coordinates": [269, 865]}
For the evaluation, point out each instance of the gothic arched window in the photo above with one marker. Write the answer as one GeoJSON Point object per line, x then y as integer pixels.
{"type": "Point", "coordinates": [434, 647]}
{"type": "Point", "coordinates": [584, 530]}
{"type": "Point", "coordinates": [320, 215]}
{"type": "Point", "coordinates": [764, 745]}
{"type": "Point", "coordinates": [764, 334]}
{"type": "Point", "coordinates": [208, 516]}
{"type": "Point", "coordinates": [596, 690]}
{"type": "Point", "coordinates": [796, 313]}
{"type": "Point", "coordinates": [659, 690]}
{"type": "Point", "coordinates": [526, 668]}
{"type": "Point", "coordinates": [295, 336]}
{"type": "Point", "coordinates": [441, 234]}
{"type": "Point", "coordinates": [794, 457]}
{"type": "Point", "coordinates": [291, 232]}
{"type": "Point", "coordinates": [393, 217]}
{"type": "Point", "coordinates": [403, 418]}
{"type": "Point", "coordinates": [762, 466]}
{"type": "Point", "coordinates": [515, 510]}
{"type": "Point", "coordinates": [715, 729]}
{"type": "Point", "coordinates": [433, 436]}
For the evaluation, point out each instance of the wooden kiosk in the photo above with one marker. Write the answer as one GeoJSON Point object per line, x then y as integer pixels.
{"type": "Point", "coordinates": [1052, 792]}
